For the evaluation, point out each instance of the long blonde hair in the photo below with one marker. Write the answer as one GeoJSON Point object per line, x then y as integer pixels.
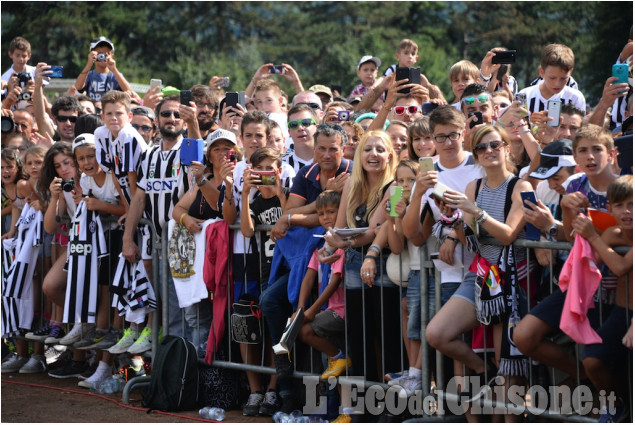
{"type": "Point", "coordinates": [359, 192]}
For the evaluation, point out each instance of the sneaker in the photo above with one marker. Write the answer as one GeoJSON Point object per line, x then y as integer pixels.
{"type": "Point", "coordinates": [72, 369]}
{"type": "Point", "coordinates": [336, 367]}
{"type": "Point", "coordinates": [40, 334]}
{"type": "Point", "coordinates": [283, 365]}
{"type": "Point", "coordinates": [55, 335]}
{"type": "Point", "coordinates": [98, 337]}
{"type": "Point", "coordinates": [144, 342]}
{"type": "Point", "coordinates": [88, 372]}
{"type": "Point", "coordinates": [342, 419]}
{"type": "Point", "coordinates": [87, 341]}
{"type": "Point", "coordinates": [129, 337]}
{"type": "Point", "coordinates": [14, 364]}
{"type": "Point", "coordinates": [53, 353]}
{"type": "Point", "coordinates": [394, 375]}
{"type": "Point", "coordinates": [96, 378]}
{"type": "Point", "coordinates": [252, 407]}
{"type": "Point", "coordinates": [109, 340]}
{"type": "Point", "coordinates": [270, 404]}
{"type": "Point", "coordinates": [408, 386]}
{"type": "Point", "coordinates": [36, 364]}
{"type": "Point", "coordinates": [398, 381]}
{"type": "Point", "coordinates": [619, 414]}
{"type": "Point", "coordinates": [77, 333]}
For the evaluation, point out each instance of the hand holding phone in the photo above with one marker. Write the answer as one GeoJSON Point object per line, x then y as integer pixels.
{"type": "Point", "coordinates": [620, 70]}
{"type": "Point", "coordinates": [276, 69]}
{"type": "Point", "coordinates": [532, 233]}
{"type": "Point", "coordinates": [479, 118]}
{"type": "Point", "coordinates": [155, 83]}
{"type": "Point", "coordinates": [553, 110]}
{"type": "Point", "coordinates": [396, 194]}
{"type": "Point", "coordinates": [186, 97]}
{"type": "Point", "coordinates": [56, 71]}
{"type": "Point", "coordinates": [504, 56]}
{"type": "Point", "coordinates": [426, 164]}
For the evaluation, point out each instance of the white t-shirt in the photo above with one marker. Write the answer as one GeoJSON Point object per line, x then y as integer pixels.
{"type": "Point", "coordinates": [281, 119]}
{"type": "Point", "coordinates": [536, 102]}
{"type": "Point", "coordinates": [30, 69]}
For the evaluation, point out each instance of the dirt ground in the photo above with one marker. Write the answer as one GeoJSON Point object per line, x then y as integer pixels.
{"type": "Point", "coordinates": [40, 398]}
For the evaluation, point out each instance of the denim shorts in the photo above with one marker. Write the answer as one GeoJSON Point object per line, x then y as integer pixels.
{"type": "Point", "coordinates": [414, 303]}
{"type": "Point", "coordinates": [352, 277]}
{"type": "Point", "coordinates": [467, 289]}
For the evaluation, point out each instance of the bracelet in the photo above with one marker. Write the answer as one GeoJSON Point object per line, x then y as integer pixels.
{"type": "Point", "coordinates": [482, 217]}
{"type": "Point", "coordinates": [523, 131]}
{"type": "Point", "coordinates": [372, 257]}
{"type": "Point", "coordinates": [289, 219]}
{"type": "Point", "coordinates": [181, 219]}
{"type": "Point", "coordinates": [484, 78]}
{"type": "Point", "coordinates": [455, 240]}
{"type": "Point", "coordinates": [375, 248]}
{"type": "Point", "coordinates": [229, 199]}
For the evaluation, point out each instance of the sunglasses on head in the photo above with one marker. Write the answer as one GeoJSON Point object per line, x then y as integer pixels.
{"type": "Point", "coordinates": [483, 98]}
{"type": "Point", "coordinates": [64, 118]}
{"type": "Point", "coordinates": [400, 110]}
{"type": "Point", "coordinates": [495, 145]}
{"type": "Point", "coordinates": [144, 128]}
{"type": "Point", "coordinates": [311, 105]}
{"type": "Point", "coordinates": [167, 114]}
{"type": "Point", "coordinates": [305, 122]}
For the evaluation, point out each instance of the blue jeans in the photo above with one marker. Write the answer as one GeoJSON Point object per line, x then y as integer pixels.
{"type": "Point", "coordinates": [447, 290]}
{"type": "Point", "coordinates": [353, 265]}
{"type": "Point", "coordinates": [413, 301]}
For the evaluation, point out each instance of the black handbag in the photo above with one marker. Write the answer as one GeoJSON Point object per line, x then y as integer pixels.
{"type": "Point", "coordinates": [246, 320]}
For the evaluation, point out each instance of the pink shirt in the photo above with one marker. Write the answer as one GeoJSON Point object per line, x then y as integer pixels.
{"type": "Point", "coordinates": [336, 302]}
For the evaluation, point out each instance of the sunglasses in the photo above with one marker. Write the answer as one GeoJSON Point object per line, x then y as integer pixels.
{"type": "Point", "coordinates": [495, 145]}
{"type": "Point", "coordinates": [400, 110]}
{"type": "Point", "coordinates": [63, 118]}
{"type": "Point", "coordinates": [168, 114]}
{"type": "Point", "coordinates": [483, 98]}
{"type": "Point", "coordinates": [306, 123]}
{"type": "Point", "coordinates": [144, 128]}
{"type": "Point", "coordinates": [311, 105]}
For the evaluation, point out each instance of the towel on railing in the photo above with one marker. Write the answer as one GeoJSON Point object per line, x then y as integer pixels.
{"type": "Point", "coordinates": [580, 278]}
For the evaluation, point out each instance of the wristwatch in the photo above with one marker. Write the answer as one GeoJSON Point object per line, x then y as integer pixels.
{"type": "Point", "coordinates": [201, 182]}
{"type": "Point", "coordinates": [553, 230]}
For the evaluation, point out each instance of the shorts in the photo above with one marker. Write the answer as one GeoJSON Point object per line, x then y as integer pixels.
{"type": "Point", "coordinates": [108, 264]}
{"type": "Point", "coordinates": [467, 289]}
{"type": "Point", "coordinates": [611, 350]}
{"type": "Point", "coordinates": [251, 287]}
{"type": "Point", "coordinates": [146, 243]}
{"type": "Point", "coordinates": [45, 248]}
{"type": "Point", "coordinates": [329, 325]}
{"type": "Point", "coordinates": [61, 236]}
{"type": "Point", "coordinates": [414, 302]}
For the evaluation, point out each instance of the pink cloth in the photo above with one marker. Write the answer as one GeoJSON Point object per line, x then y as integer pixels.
{"type": "Point", "coordinates": [580, 278]}
{"type": "Point", "coordinates": [337, 301]}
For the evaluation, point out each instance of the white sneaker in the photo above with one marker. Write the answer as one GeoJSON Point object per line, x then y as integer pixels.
{"type": "Point", "coordinates": [36, 364]}
{"type": "Point", "coordinates": [14, 364]}
{"type": "Point", "coordinates": [399, 380]}
{"type": "Point", "coordinates": [143, 343]}
{"type": "Point", "coordinates": [96, 378]}
{"type": "Point", "coordinates": [77, 333]}
{"type": "Point", "coordinates": [409, 386]}
{"type": "Point", "coordinates": [129, 337]}
{"type": "Point", "coordinates": [53, 353]}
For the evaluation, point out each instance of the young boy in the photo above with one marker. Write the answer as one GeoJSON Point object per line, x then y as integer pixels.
{"type": "Point", "coordinates": [556, 66]}
{"type": "Point", "coordinates": [462, 74]}
{"type": "Point", "coordinates": [601, 361]}
{"type": "Point", "coordinates": [268, 99]}
{"type": "Point", "coordinates": [367, 72]}
{"type": "Point", "coordinates": [302, 124]}
{"type": "Point", "coordinates": [105, 77]}
{"type": "Point", "coordinates": [20, 53]}
{"type": "Point", "coordinates": [406, 56]}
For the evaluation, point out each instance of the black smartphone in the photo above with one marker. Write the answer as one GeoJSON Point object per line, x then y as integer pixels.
{"type": "Point", "coordinates": [337, 88]}
{"type": "Point", "coordinates": [233, 99]}
{"type": "Point", "coordinates": [186, 97]}
{"type": "Point", "coordinates": [402, 73]}
{"type": "Point", "coordinates": [479, 118]}
{"type": "Point", "coordinates": [415, 76]}
{"type": "Point", "coordinates": [532, 233]}
{"type": "Point", "coordinates": [428, 107]}
{"type": "Point", "coordinates": [276, 69]}
{"type": "Point", "coordinates": [504, 56]}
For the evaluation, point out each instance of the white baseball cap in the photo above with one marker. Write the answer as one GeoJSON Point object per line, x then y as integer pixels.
{"type": "Point", "coordinates": [369, 58]}
{"type": "Point", "coordinates": [83, 139]}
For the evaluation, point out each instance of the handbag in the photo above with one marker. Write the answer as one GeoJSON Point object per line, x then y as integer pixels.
{"type": "Point", "coordinates": [246, 320]}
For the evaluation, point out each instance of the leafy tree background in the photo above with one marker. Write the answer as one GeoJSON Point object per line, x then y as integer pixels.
{"type": "Point", "coordinates": [185, 43]}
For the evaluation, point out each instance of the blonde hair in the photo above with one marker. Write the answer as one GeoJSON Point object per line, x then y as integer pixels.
{"type": "Point", "coordinates": [359, 192]}
{"type": "Point", "coordinates": [268, 85]}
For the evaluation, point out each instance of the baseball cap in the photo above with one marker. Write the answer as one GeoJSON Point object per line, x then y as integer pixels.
{"type": "Point", "coordinates": [83, 139]}
{"type": "Point", "coordinates": [369, 58]}
{"type": "Point", "coordinates": [220, 134]}
{"type": "Point", "coordinates": [355, 100]}
{"type": "Point", "coordinates": [143, 111]}
{"type": "Point", "coordinates": [102, 40]}
{"type": "Point", "coordinates": [553, 157]}
{"type": "Point", "coordinates": [319, 88]}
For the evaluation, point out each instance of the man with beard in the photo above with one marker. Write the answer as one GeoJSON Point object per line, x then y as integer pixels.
{"type": "Point", "coordinates": [206, 102]}
{"type": "Point", "coordinates": [162, 181]}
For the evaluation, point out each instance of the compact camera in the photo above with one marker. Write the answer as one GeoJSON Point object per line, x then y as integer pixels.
{"type": "Point", "coordinates": [343, 115]}
{"type": "Point", "coordinates": [101, 57]}
{"type": "Point", "coordinates": [25, 95]}
{"type": "Point", "coordinates": [68, 185]}
{"type": "Point", "coordinates": [7, 125]}
{"type": "Point", "coordinates": [23, 77]}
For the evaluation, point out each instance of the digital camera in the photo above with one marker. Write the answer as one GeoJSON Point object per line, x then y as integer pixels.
{"type": "Point", "coordinates": [23, 77]}
{"type": "Point", "coordinates": [7, 125]}
{"type": "Point", "coordinates": [343, 115]}
{"type": "Point", "coordinates": [68, 185]}
{"type": "Point", "coordinates": [101, 57]}
{"type": "Point", "coordinates": [25, 95]}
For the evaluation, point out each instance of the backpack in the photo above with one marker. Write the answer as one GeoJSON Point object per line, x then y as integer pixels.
{"type": "Point", "coordinates": [174, 378]}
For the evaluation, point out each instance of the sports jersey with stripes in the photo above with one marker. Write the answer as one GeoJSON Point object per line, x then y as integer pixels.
{"type": "Point", "coordinates": [87, 244]}
{"type": "Point", "coordinates": [121, 155]}
{"type": "Point", "coordinates": [295, 161]}
{"type": "Point", "coordinates": [134, 296]}
{"type": "Point", "coordinates": [571, 82]}
{"type": "Point", "coordinates": [164, 180]}
{"type": "Point", "coordinates": [536, 102]}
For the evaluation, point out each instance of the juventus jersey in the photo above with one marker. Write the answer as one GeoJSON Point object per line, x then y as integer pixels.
{"type": "Point", "coordinates": [135, 296]}
{"type": "Point", "coordinates": [295, 161]}
{"type": "Point", "coordinates": [121, 155]}
{"type": "Point", "coordinates": [87, 244]}
{"type": "Point", "coordinates": [164, 180]}
{"type": "Point", "coordinates": [536, 102]}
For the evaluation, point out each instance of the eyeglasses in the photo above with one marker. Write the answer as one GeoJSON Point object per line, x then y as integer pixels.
{"type": "Point", "coordinates": [441, 138]}
{"type": "Point", "coordinates": [168, 114]}
{"type": "Point", "coordinates": [483, 98]}
{"type": "Point", "coordinates": [21, 148]}
{"type": "Point", "coordinates": [494, 144]}
{"type": "Point", "coordinates": [201, 105]}
{"type": "Point", "coordinates": [305, 122]}
{"type": "Point", "coordinates": [311, 105]}
{"type": "Point", "coordinates": [400, 110]}
{"type": "Point", "coordinates": [144, 128]}
{"type": "Point", "coordinates": [64, 118]}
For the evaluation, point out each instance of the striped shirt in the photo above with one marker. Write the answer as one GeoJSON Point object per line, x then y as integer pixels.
{"type": "Point", "coordinates": [536, 102]}
{"type": "Point", "coordinates": [295, 161]}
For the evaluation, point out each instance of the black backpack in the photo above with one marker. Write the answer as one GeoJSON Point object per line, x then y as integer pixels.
{"type": "Point", "coordinates": [174, 377]}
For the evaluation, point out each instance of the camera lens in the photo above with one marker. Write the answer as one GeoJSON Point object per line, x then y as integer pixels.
{"type": "Point", "coordinates": [7, 125]}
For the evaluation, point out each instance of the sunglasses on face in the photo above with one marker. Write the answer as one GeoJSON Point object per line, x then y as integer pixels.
{"type": "Point", "coordinates": [62, 118]}
{"type": "Point", "coordinates": [495, 145]}
{"type": "Point", "coordinates": [311, 105]}
{"type": "Point", "coordinates": [144, 128]}
{"type": "Point", "coordinates": [483, 98]}
{"type": "Point", "coordinates": [400, 110]}
{"type": "Point", "coordinates": [306, 123]}
{"type": "Point", "coordinates": [168, 114]}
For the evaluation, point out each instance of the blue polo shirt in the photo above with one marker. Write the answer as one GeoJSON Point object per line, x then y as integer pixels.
{"type": "Point", "coordinates": [306, 184]}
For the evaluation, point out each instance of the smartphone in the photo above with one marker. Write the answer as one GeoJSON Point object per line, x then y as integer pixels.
{"type": "Point", "coordinates": [522, 98]}
{"type": "Point", "coordinates": [415, 76]}
{"type": "Point", "coordinates": [231, 156]}
{"type": "Point", "coordinates": [479, 118]}
{"type": "Point", "coordinates": [620, 70]}
{"type": "Point", "coordinates": [56, 71]}
{"type": "Point", "coordinates": [505, 56]}
{"type": "Point", "coordinates": [276, 69]}
{"type": "Point", "coordinates": [412, 74]}
{"type": "Point", "coordinates": [186, 97]}
{"type": "Point", "coordinates": [337, 88]}
{"type": "Point", "coordinates": [267, 178]}
{"type": "Point", "coordinates": [191, 150]}
{"type": "Point", "coordinates": [426, 164]}
{"type": "Point", "coordinates": [553, 111]}
{"type": "Point", "coordinates": [234, 99]}
{"type": "Point", "coordinates": [224, 82]}
{"type": "Point", "coordinates": [438, 191]}
{"type": "Point", "coordinates": [155, 83]}
{"type": "Point", "coordinates": [532, 232]}
{"type": "Point", "coordinates": [396, 194]}
{"type": "Point", "coordinates": [428, 107]}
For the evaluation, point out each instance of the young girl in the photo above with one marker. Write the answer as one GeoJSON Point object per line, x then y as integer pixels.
{"type": "Point", "coordinates": [12, 172]}
{"type": "Point", "coordinates": [276, 139]}
{"type": "Point", "coordinates": [398, 131]}
{"type": "Point", "coordinates": [420, 143]}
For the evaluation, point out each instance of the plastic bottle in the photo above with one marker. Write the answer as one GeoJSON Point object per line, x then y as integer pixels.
{"type": "Point", "coordinates": [110, 386]}
{"type": "Point", "coordinates": [213, 413]}
{"type": "Point", "coordinates": [281, 418]}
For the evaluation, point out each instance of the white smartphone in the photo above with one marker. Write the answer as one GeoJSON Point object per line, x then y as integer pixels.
{"type": "Point", "coordinates": [438, 191]}
{"type": "Point", "coordinates": [426, 164]}
{"type": "Point", "coordinates": [553, 111]}
{"type": "Point", "coordinates": [155, 83]}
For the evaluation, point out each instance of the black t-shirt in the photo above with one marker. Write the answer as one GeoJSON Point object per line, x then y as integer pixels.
{"type": "Point", "coordinates": [266, 211]}
{"type": "Point", "coordinates": [200, 208]}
